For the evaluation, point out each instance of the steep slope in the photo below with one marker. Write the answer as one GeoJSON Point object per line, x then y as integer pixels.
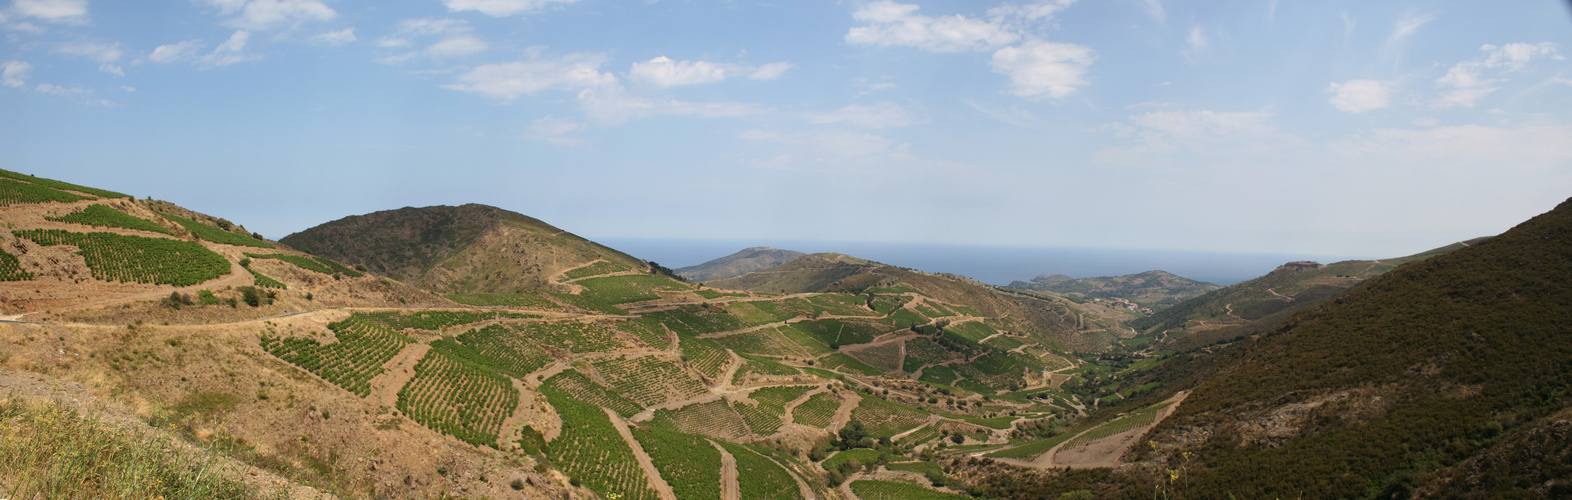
{"type": "Point", "coordinates": [1151, 289]}
{"type": "Point", "coordinates": [1259, 304]}
{"type": "Point", "coordinates": [1418, 375]}
{"type": "Point", "coordinates": [465, 249]}
{"type": "Point", "coordinates": [746, 261]}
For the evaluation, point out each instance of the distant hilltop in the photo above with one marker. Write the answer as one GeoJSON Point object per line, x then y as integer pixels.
{"type": "Point", "coordinates": [746, 261]}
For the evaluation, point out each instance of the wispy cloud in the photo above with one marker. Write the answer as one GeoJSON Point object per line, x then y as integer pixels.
{"type": "Point", "coordinates": [1359, 96]}
{"type": "Point", "coordinates": [14, 73]}
{"type": "Point", "coordinates": [1467, 82]}
{"type": "Point", "coordinates": [454, 38]}
{"type": "Point", "coordinates": [893, 24]}
{"type": "Point", "coordinates": [501, 8]}
{"type": "Point", "coordinates": [272, 14]}
{"type": "Point", "coordinates": [58, 11]}
{"type": "Point", "coordinates": [1040, 69]}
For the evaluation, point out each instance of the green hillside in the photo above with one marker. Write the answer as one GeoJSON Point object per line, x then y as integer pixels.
{"type": "Point", "coordinates": [464, 249]}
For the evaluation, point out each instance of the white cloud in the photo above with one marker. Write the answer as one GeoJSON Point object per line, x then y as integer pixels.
{"type": "Point", "coordinates": [1358, 96]}
{"type": "Point", "coordinates": [268, 14]}
{"type": "Point", "coordinates": [664, 72]}
{"type": "Point", "coordinates": [1044, 69]}
{"type": "Point", "coordinates": [15, 73]}
{"type": "Point", "coordinates": [500, 8]}
{"type": "Point", "coordinates": [455, 41]}
{"type": "Point", "coordinates": [770, 71]}
{"type": "Point", "coordinates": [53, 89]}
{"type": "Point", "coordinates": [613, 104]}
{"type": "Point", "coordinates": [896, 24]}
{"type": "Point", "coordinates": [174, 52]}
{"type": "Point", "coordinates": [880, 115]}
{"type": "Point", "coordinates": [340, 37]}
{"type": "Point", "coordinates": [1031, 12]}
{"type": "Point", "coordinates": [556, 131]}
{"type": "Point", "coordinates": [96, 51]}
{"type": "Point", "coordinates": [1466, 82]}
{"type": "Point", "coordinates": [231, 51]}
{"type": "Point", "coordinates": [1197, 40]}
{"type": "Point", "coordinates": [51, 10]}
{"type": "Point", "coordinates": [508, 81]}
{"type": "Point", "coordinates": [1155, 9]}
{"type": "Point", "coordinates": [112, 69]}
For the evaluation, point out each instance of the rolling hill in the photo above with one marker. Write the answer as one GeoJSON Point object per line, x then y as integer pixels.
{"type": "Point", "coordinates": [1152, 289]}
{"type": "Point", "coordinates": [743, 262]}
{"type": "Point", "coordinates": [465, 249]}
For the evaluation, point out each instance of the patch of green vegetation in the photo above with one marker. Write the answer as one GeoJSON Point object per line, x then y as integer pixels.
{"type": "Point", "coordinates": [615, 290]}
{"type": "Point", "coordinates": [437, 321]}
{"type": "Point", "coordinates": [648, 380]}
{"type": "Point", "coordinates": [216, 235]}
{"type": "Point", "coordinates": [759, 477]}
{"type": "Point", "coordinates": [13, 192]}
{"type": "Point", "coordinates": [818, 410]}
{"type": "Point", "coordinates": [498, 347]}
{"type": "Point", "coordinates": [11, 268]}
{"type": "Point", "coordinates": [456, 397]}
{"type": "Point", "coordinates": [848, 364]}
{"type": "Point", "coordinates": [835, 332]}
{"type": "Point", "coordinates": [596, 269]}
{"type": "Point", "coordinates": [105, 216]}
{"type": "Point", "coordinates": [581, 388]}
{"type": "Point", "coordinates": [264, 281]}
{"type": "Point", "coordinates": [572, 336]}
{"type": "Point", "coordinates": [889, 490]}
{"type": "Point", "coordinates": [114, 257]}
{"type": "Point", "coordinates": [300, 261]}
{"type": "Point", "coordinates": [763, 366]}
{"type": "Point", "coordinates": [884, 419]}
{"type": "Point", "coordinates": [587, 303]}
{"type": "Point", "coordinates": [689, 464]}
{"type": "Point", "coordinates": [705, 356]}
{"type": "Point", "coordinates": [529, 300]}
{"type": "Point", "coordinates": [351, 362]}
{"type": "Point", "coordinates": [51, 183]}
{"type": "Point", "coordinates": [862, 457]}
{"type": "Point", "coordinates": [939, 375]}
{"type": "Point", "coordinates": [590, 450]}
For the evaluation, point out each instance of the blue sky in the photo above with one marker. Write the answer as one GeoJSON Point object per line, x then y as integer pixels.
{"type": "Point", "coordinates": [1278, 126]}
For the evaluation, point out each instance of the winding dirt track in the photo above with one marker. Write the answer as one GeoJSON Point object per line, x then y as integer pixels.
{"type": "Point", "coordinates": [650, 473]}
{"type": "Point", "coordinates": [729, 488]}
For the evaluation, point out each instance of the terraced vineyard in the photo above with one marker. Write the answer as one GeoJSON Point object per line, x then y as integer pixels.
{"type": "Point", "coordinates": [648, 380]}
{"type": "Point", "coordinates": [216, 235]}
{"type": "Point", "coordinates": [583, 389]}
{"type": "Point", "coordinates": [13, 192]}
{"type": "Point", "coordinates": [529, 300]}
{"type": "Point", "coordinates": [689, 464]}
{"type": "Point", "coordinates": [921, 351]}
{"type": "Point", "coordinates": [498, 347]}
{"type": "Point", "coordinates": [106, 216]}
{"type": "Point", "coordinates": [704, 356]}
{"type": "Point", "coordinates": [885, 357]}
{"type": "Point", "coordinates": [590, 451]}
{"type": "Point", "coordinates": [436, 321]}
{"type": "Point", "coordinates": [264, 281]}
{"type": "Point", "coordinates": [573, 336]}
{"type": "Point", "coordinates": [890, 490]}
{"type": "Point", "coordinates": [351, 362]}
{"type": "Point", "coordinates": [1135, 419]}
{"type": "Point", "coordinates": [623, 289]}
{"type": "Point", "coordinates": [457, 397]}
{"type": "Point", "coordinates": [818, 410]}
{"type": "Point", "coordinates": [160, 261]}
{"type": "Point", "coordinates": [768, 341]}
{"type": "Point", "coordinates": [11, 268]}
{"type": "Point", "coordinates": [761, 419]}
{"type": "Point", "coordinates": [715, 419]}
{"type": "Point", "coordinates": [51, 183]}
{"type": "Point", "coordinates": [339, 268]}
{"type": "Point", "coordinates": [759, 478]}
{"type": "Point", "coordinates": [649, 332]}
{"type": "Point", "coordinates": [596, 269]}
{"type": "Point", "coordinates": [760, 367]}
{"type": "Point", "coordinates": [300, 261]}
{"type": "Point", "coordinates": [885, 419]}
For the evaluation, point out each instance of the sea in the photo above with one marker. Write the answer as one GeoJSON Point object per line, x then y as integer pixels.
{"type": "Point", "coordinates": [995, 265]}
